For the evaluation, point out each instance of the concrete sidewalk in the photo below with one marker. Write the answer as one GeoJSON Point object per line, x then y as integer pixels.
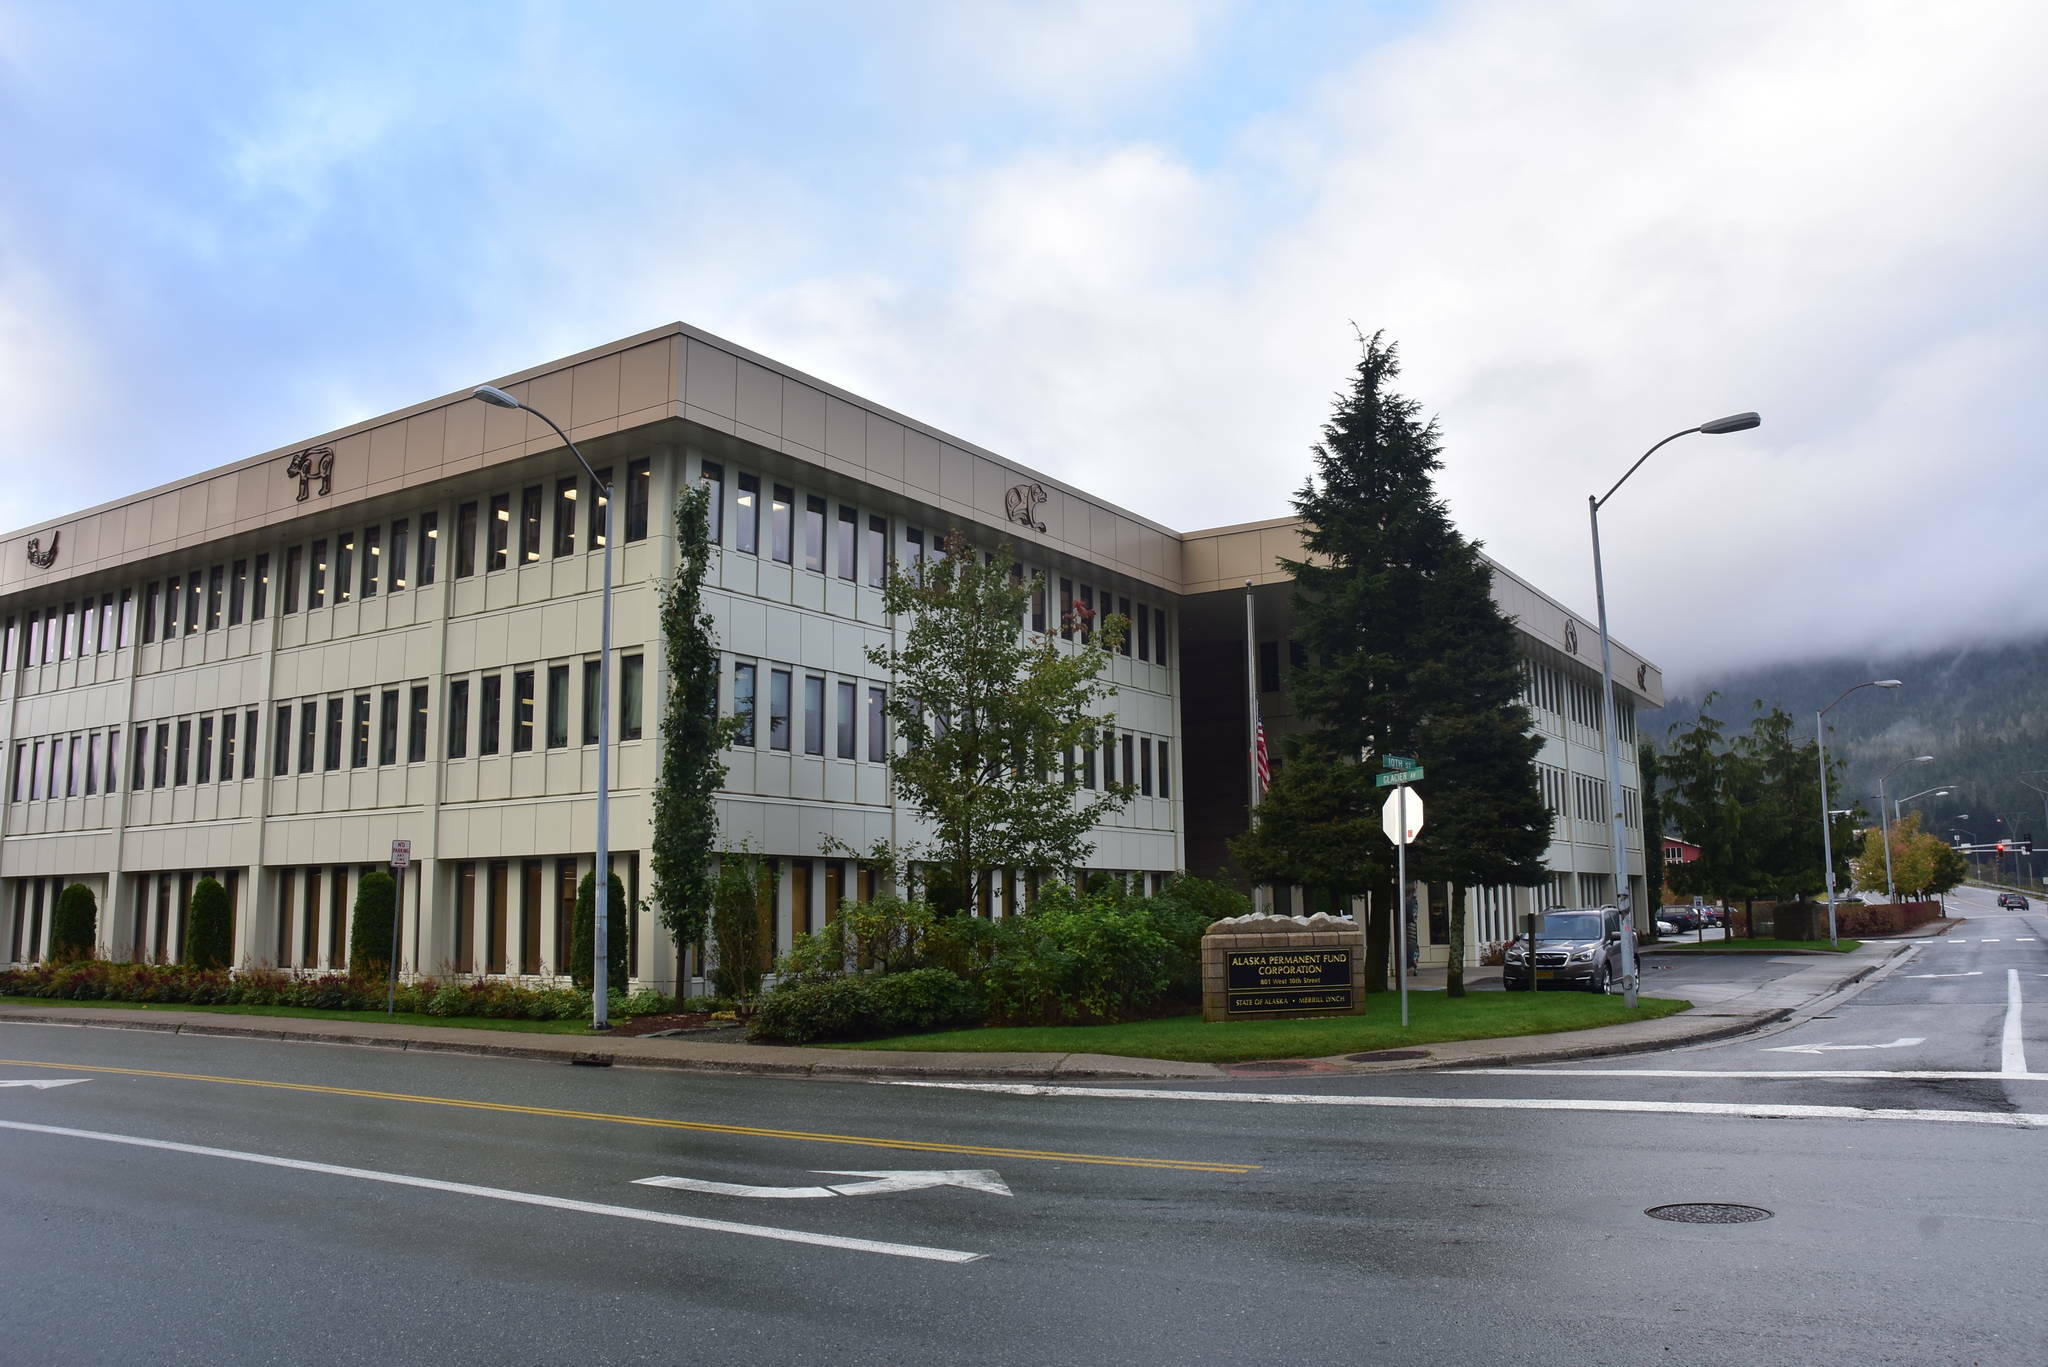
{"type": "Point", "coordinates": [1735, 1015]}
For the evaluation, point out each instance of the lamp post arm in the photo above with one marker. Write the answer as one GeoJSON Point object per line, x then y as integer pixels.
{"type": "Point", "coordinates": [1601, 501]}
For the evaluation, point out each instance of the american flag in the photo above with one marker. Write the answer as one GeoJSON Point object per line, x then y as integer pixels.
{"type": "Point", "coordinates": [1259, 760]}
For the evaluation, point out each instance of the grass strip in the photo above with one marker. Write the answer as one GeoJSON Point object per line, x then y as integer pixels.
{"type": "Point", "coordinates": [1759, 945]}
{"type": "Point", "coordinates": [574, 1027]}
{"type": "Point", "coordinates": [1432, 1016]}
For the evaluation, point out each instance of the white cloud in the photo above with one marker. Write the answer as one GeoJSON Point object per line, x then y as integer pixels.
{"type": "Point", "coordinates": [1075, 57]}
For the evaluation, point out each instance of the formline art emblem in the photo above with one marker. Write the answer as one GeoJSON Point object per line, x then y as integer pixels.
{"type": "Point", "coordinates": [1571, 637]}
{"type": "Point", "coordinates": [39, 557]}
{"type": "Point", "coordinates": [316, 462]}
{"type": "Point", "coordinates": [1019, 504]}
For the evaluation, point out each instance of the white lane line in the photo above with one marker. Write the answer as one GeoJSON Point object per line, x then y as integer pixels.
{"type": "Point", "coordinates": [2023, 940]}
{"type": "Point", "coordinates": [1904, 1075]}
{"type": "Point", "coordinates": [1755, 1111]}
{"type": "Point", "coordinates": [2012, 1054]}
{"type": "Point", "coordinates": [44, 1084]}
{"type": "Point", "coordinates": [524, 1198]}
{"type": "Point", "coordinates": [1987, 942]}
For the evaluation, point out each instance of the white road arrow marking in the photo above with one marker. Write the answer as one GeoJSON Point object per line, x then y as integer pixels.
{"type": "Point", "coordinates": [1903, 1042]}
{"type": "Point", "coordinates": [974, 1179]}
{"type": "Point", "coordinates": [1973, 973]}
{"type": "Point", "coordinates": [46, 1084]}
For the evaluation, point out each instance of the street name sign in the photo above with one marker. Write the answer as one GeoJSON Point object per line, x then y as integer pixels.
{"type": "Point", "coordinates": [1396, 762]}
{"type": "Point", "coordinates": [1390, 816]}
{"type": "Point", "coordinates": [1388, 780]}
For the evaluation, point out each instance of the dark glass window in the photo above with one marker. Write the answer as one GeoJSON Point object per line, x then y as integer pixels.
{"type": "Point", "coordinates": [204, 765]}
{"type": "Point", "coordinates": [228, 741]}
{"type": "Point", "coordinates": [238, 591]}
{"type": "Point", "coordinates": [522, 710]}
{"type": "Point", "coordinates": [387, 727]}
{"type": "Point", "coordinates": [600, 504]}
{"type": "Point", "coordinates": [288, 591]}
{"type": "Point", "coordinates": [1123, 608]}
{"type": "Point", "coordinates": [281, 741]}
{"type": "Point", "coordinates": [778, 709]}
{"type": "Point", "coordinates": [344, 567]}
{"type": "Point", "coordinates": [848, 722]}
{"type": "Point", "coordinates": [216, 597]}
{"type": "Point", "coordinates": [488, 714]}
{"type": "Point", "coordinates": [1086, 614]}
{"type": "Point", "coordinates": [248, 744]}
{"type": "Point", "coordinates": [849, 544]}
{"type": "Point", "coordinates": [416, 730]}
{"type": "Point", "coordinates": [128, 615]}
{"type": "Point", "coordinates": [529, 524]}
{"type": "Point", "coordinates": [630, 671]}
{"type": "Point", "coordinates": [139, 779]}
{"type": "Point", "coordinates": [1165, 773]}
{"type": "Point", "coordinates": [779, 528]}
{"type": "Point", "coordinates": [1066, 609]}
{"type": "Point", "coordinates": [316, 576]}
{"type": "Point", "coordinates": [401, 543]}
{"type": "Point", "coordinates": [182, 760]}
{"type": "Point", "coordinates": [746, 522]}
{"type": "Point", "coordinates": [878, 725]}
{"type": "Point", "coordinates": [593, 682]}
{"type": "Point", "coordinates": [195, 606]}
{"type": "Point", "coordinates": [639, 484]}
{"type": "Point", "coordinates": [743, 701]}
{"type": "Point", "coordinates": [88, 628]}
{"type": "Point", "coordinates": [499, 531]}
{"type": "Point", "coordinates": [558, 706]}
{"type": "Point", "coordinates": [913, 551]}
{"type": "Point", "coordinates": [458, 718]}
{"type": "Point", "coordinates": [373, 561]}
{"type": "Point", "coordinates": [814, 715]}
{"type": "Point", "coordinates": [92, 762]}
{"type": "Point", "coordinates": [430, 546]}
{"type": "Point", "coordinates": [565, 516]}
{"type": "Point", "coordinates": [331, 756]}
{"type": "Point", "coordinates": [878, 550]}
{"type": "Point", "coordinates": [71, 767]}
{"type": "Point", "coordinates": [309, 734]}
{"type": "Point", "coordinates": [713, 475]}
{"type": "Point", "coordinates": [1087, 766]}
{"type": "Point", "coordinates": [1128, 764]}
{"type": "Point", "coordinates": [814, 533]}
{"type": "Point", "coordinates": [465, 540]}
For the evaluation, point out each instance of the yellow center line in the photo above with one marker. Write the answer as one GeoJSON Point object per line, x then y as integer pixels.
{"type": "Point", "coordinates": [656, 1122]}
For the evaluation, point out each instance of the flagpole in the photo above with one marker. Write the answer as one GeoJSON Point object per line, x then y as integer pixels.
{"type": "Point", "coordinates": [1251, 721]}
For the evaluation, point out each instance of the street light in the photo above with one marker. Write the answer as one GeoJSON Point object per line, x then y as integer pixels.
{"type": "Point", "coordinates": [1943, 791]}
{"type": "Point", "coordinates": [1891, 893]}
{"type": "Point", "coordinates": [1617, 830]}
{"type": "Point", "coordinates": [600, 987]}
{"type": "Point", "coordinates": [1827, 822]}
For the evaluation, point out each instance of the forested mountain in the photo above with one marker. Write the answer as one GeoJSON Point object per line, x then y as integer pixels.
{"type": "Point", "coordinates": [1982, 712]}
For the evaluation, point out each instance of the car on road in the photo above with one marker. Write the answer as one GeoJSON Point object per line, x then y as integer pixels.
{"type": "Point", "coordinates": [2012, 901]}
{"type": "Point", "coordinates": [1683, 919]}
{"type": "Point", "coordinates": [1578, 947]}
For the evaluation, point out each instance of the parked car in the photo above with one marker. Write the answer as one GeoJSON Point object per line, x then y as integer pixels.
{"type": "Point", "coordinates": [1714, 916]}
{"type": "Point", "coordinates": [1664, 927]}
{"type": "Point", "coordinates": [1685, 920]}
{"type": "Point", "coordinates": [1579, 948]}
{"type": "Point", "coordinates": [2012, 901]}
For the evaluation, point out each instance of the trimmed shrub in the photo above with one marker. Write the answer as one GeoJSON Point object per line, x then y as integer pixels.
{"type": "Point", "coordinates": [73, 929]}
{"type": "Point", "coordinates": [209, 936]}
{"type": "Point", "coordinates": [1079, 960]}
{"type": "Point", "coordinates": [926, 999]}
{"type": "Point", "coordinates": [852, 1008]}
{"type": "Point", "coordinates": [583, 944]}
{"type": "Point", "coordinates": [743, 884]}
{"type": "Point", "coordinates": [369, 932]}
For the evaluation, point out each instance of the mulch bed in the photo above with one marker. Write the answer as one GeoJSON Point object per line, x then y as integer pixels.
{"type": "Point", "coordinates": [689, 1021]}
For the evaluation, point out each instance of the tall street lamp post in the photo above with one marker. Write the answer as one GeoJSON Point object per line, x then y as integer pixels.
{"type": "Point", "coordinates": [1827, 820]}
{"type": "Point", "coordinates": [1616, 825]}
{"type": "Point", "coordinates": [1941, 790]}
{"type": "Point", "coordinates": [1891, 893]}
{"type": "Point", "coordinates": [600, 986]}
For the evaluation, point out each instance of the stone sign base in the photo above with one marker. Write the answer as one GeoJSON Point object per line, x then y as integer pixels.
{"type": "Point", "coordinates": [1279, 967]}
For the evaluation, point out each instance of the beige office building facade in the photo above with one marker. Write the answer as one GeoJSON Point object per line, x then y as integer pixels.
{"type": "Point", "coordinates": [270, 671]}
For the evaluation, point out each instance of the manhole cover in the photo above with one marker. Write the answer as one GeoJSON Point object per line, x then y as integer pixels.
{"type": "Point", "coordinates": [1387, 1055]}
{"type": "Point", "coordinates": [1708, 1213]}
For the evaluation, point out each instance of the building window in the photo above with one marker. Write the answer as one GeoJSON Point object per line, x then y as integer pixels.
{"type": "Point", "coordinates": [465, 540]}
{"type": "Point", "coordinates": [458, 718]}
{"type": "Point", "coordinates": [1145, 767]}
{"type": "Point", "coordinates": [1123, 608]}
{"type": "Point", "coordinates": [814, 715]}
{"type": "Point", "coordinates": [488, 714]}
{"type": "Point", "coordinates": [630, 670]}
{"type": "Point", "coordinates": [288, 592]}
{"type": "Point", "coordinates": [309, 734]}
{"type": "Point", "coordinates": [344, 567]}
{"type": "Point", "coordinates": [373, 561]}
{"type": "Point", "coordinates": [913, 551]}
{"type": "Point", "coordinates": [182, 759]}
{"type": "Point", "coordinates": [238, 591]}
{"type": "Point", "coordinates": [195, 607]}
{"type": "Point", "coordinates": [401, 536]}
{"type": "Point", "coordinates": [1066, 609]}
{"type": "Point", "coordinates": [387, 728]}
{"type": "Point", "coordinates": [522, 711]}
{"type": "Point", "coordinates": [92, 762]}
{"type": "Point", "coordinates": [849, 544]}
{"type": "Point", "coordinates": [1087, 766]}
{"type": "Point", "coordinates": [558, 706]}
{"type": "Point", "coordinates": [878, 725]}
{"type": "Point", "coordinates": [359, 733]}
{"type": "Point", "coordinates": [600, 507]}
{"type": "Point", "coordinates": [113, 783]}
{"type": "Point", "coordinates": [593, 675]}
{"type": "Point", "coordinates": [430, 546]}
{"type": "Point", "coordinates": [316, 578]}
{"type": "Point", "coordinates": [1085, 614]}
{"type": "Point", "coordinates": [19, 784]}
{"type": "Point", "coordinates": [499, 530]}
{"type": "Point", "coordinates": [1038, 595]}
{"type": "Point", "coordinates": [565, 517]}
{"type": "Point", "coordinates": [248, 744]}
{"type": "Point", "coordinates": [848, 722]}
{"type": "Point", "coordinates": [281, 742]}
{"type": "Point", "coordinates": [639, 481]}
{"type": "Point", "coordinates": [71, 778]}
{"type": "Point", "coordinates": [529, 524]}
{"type": "Point", "coordinates": [259, 595]}
{"type": "Point", "coordinates": [39, 775]}
{"type": "Point", "coordinates": [1128, 762]}
{"type": "Point", "coordinates": [205, 753]}
{"type": "Point", "coordinates": [331, 753]}
{"type": "Point", "coordinates": [416, 732]}
{"type": "Point", "coordinates": [228, 741]}
{"type": "Point", "coordinates": [780, 531]}
{"type": "Point", "coordinates": [746, 522]}
{"type": "Point", "coordinates": [878, 550]}
{"type": "Point", "coordinates": [713, 475]}
{"type": "Point", "coordinates": [743, 701]}
{"type": "Point", "coordinates": [814, 533]}
{"type": "Point", "coordinates": [778, 709]}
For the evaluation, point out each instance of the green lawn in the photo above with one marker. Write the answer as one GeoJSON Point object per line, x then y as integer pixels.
{"type": "Point", "coordinates": [1432, 1016]}
{"type": "Point", "coordinates": [1683, 946]}
{"type": "Point", "coordinates": [574, 1027]}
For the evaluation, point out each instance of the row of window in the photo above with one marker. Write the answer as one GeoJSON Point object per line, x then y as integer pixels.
{"type": "Point", "coordinates": [77, 629]}
{"type": "Point", "coordinates": [488, 691]}
{"type": "Point", "coordinates": [512, 942]}
{"type": "Point", "coordinates": [82, 764]}
{"type": "Point", "coordinates": [351, 725]}
{"type": "Point", "coordinates": [1589, 797]}
{"type": "Point", "coordinates": [1550, 689]}
{"type": "Point", "coordinates": [1136, 769]}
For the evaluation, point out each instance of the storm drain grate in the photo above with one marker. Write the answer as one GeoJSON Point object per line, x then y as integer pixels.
{"type": "Point", "coordinates": [1708, 1213]}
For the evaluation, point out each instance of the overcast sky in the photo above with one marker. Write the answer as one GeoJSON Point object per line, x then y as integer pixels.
{"type": "Point", "coordinates": [1122, 243]}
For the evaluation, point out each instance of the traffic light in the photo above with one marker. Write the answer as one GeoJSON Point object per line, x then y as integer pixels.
{"type": "Point", "coordinates": [2001, 847]}
{"type": "Point", "coordinates": [2025, 844]}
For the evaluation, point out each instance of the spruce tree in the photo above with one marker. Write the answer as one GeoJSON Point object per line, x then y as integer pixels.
{"type": "Point", "coordinates": [369, 929]}
{"type": "Point", "coordinates": [583, 936]}
{"type": "Point", "coordinates": [209, 939]}
{"type": "Point", "coordinates": [73, 929]}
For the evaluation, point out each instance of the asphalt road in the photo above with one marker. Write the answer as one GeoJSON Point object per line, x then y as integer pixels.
{"type": "Point", "coordinates": [446, 1210]}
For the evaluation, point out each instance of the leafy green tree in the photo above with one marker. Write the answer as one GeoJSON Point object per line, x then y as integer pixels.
{"type": "Point", "coordinates": [369, 930]}
{"type": "Point", "coordinates": [989, 716]}
{"type": "Point", "coordinates": [1651, 770]}
{"type": "Point", "coordinates": [74, 926]}
{"type": "Point", "coordinates": [742, 900]}
{"type": "Point", "coordinates": [209, 934]}
{"type": "Point", "coordinates": [693, 736]}
{"type": "Point", "coordinates": [583, 943]}
{"type": "Point", "coordinates": [1921, 863]}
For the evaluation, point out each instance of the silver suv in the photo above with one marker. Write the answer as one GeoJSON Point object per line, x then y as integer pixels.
{"type": "Point", "coordinates": [1575, 947]}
